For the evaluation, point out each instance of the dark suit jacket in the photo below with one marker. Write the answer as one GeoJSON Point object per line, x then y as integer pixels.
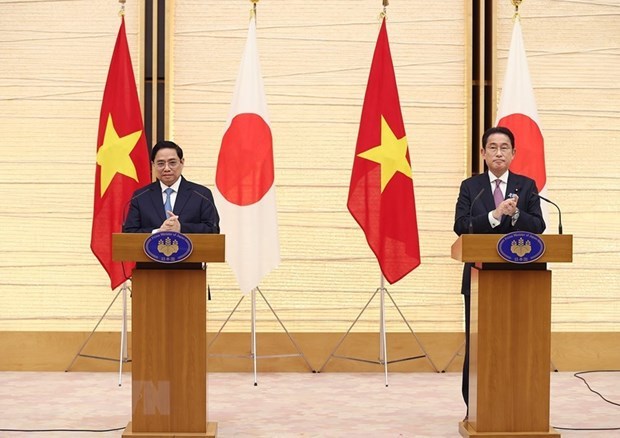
{"type": "Point", "coordinates": [530, 214]}
{"type": "Point", "coordinates": [194, 205]}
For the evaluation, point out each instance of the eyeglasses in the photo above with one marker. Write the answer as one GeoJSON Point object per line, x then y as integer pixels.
{"type": "Point", "coordinates": [172, 164]}
{"type": "Point", "coordinates": [504, 149]}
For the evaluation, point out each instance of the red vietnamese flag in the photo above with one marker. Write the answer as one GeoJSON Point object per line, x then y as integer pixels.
{"type": "Point", "coordinates": [381, 192]}
{"type": "Point", "coordinates": [122, 158]}
{"type": "Point", "coordinates": [517, 112]}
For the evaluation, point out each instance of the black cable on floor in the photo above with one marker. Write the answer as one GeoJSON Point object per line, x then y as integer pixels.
{"type": "Point", "coordinates": [578, 375]}
{"type": "Point", "coordinates": [62, 430]}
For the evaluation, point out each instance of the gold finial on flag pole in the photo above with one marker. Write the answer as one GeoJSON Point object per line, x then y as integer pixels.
{"type": "Point", "coordinates": [253, 10]}
{"type": "Point", "coordinates": [516, 4]}
{"type": "Point", "coordinates": [383, 14]}
{"type": "Point", "coordinates": [121, 13]}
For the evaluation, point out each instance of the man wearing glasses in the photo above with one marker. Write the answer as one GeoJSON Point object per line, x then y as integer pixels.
{"type": "Point", "coordinates": [171, 203]}
{"type": "Point", "coordinates": [495, 202]}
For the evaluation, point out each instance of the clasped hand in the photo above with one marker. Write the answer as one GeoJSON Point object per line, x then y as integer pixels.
{"type": "Point", "coordinates": [171, 224]}
{"type": "Point", "coordinates": [507, 207]}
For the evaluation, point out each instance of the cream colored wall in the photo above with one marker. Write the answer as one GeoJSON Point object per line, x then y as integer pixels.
{"type": "Point", "coordinates": [315, 60]}
{"type": "Point", "coordinates": [55, 60]}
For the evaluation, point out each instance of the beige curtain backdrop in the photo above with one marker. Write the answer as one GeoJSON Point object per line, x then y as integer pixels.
{"type": "Point", "coordinates": [315, 58]}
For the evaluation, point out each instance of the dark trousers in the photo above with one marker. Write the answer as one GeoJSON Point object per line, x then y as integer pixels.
{"type": "Point", "coordinates": [465, 383]}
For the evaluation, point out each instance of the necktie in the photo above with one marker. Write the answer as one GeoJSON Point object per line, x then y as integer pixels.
{"type": "Point", "coordinates": [167, 203]}
{"type": "Point", "coordinates": [497, 193]}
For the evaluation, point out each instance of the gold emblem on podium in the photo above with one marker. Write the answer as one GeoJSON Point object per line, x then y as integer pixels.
{"type": "Point", "coordinates": [168, 246]}
{"type": "Point", "coordinates": [521, 247]}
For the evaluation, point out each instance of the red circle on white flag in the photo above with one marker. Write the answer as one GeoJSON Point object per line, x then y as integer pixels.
{"type": "Point", "coordinates": [530, 146]}
{"type": "Point", "coordinates": [245, 164]}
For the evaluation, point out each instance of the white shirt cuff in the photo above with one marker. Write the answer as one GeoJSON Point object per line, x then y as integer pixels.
{"type": "Point", "coordinates": [494, 222]}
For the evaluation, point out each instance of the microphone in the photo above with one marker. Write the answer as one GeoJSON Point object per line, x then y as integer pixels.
{"type": "Point", "coordinates": [556, 206]}
{"type": "Point", "coordinates": [471, 209]}
{"type": "Point", "coordinates": [126, 207]}
{"type": "Point", "coordinates": [204, 265]}
{"type": "Point", "coordinates": [204, 197]}
{"type": "Point", "coordinates": [124, 213]}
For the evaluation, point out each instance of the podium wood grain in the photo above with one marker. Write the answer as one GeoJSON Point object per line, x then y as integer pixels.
{"type": "Point", "coordinates": [169, 351]}
{"type": "Point", "coordinates": [510, 339]}
{"type": "Point", "coordinates": [169, 340]}
{"type": "Point", "coordinates": [510, 348]}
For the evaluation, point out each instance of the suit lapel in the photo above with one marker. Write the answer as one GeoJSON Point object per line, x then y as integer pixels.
{"type": "Point", "coordinates": [158, 202]}
{"type": "Point", "coordinates": [182, 197]}
{"type": "Point", "coordinates": [487, 196]}
{"type": "Point", "coordinates": [514, 184]}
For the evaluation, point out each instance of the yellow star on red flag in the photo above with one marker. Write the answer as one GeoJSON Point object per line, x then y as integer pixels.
{"type": "Point", "coordinates": [384, 210]}
{"type": "Point", "coordinates": [113, 155]}
{"type": "Point", "coordinates": [391, 154]}
{"type": "Point", "coordinates": [123, 164]}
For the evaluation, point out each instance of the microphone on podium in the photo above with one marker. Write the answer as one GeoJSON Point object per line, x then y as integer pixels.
{"type": "Point", "coordinates": [204, 265]}
{"type": "Point", "coordinates": [124, 213]}
{"type": "Point", "coordinates": [126, 207]}
{"type": "Point", "coordinates": [556, 206]}
{"type": "Point", "coordinates": [471, 209]}
{"type": "Point", "coordinates": [204, 197]}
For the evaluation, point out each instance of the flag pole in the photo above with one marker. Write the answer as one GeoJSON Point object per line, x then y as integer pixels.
{"type": "Point", "coordinates": [253, 343]}
{"type": "Point", "coordinates": [383, 360]}
{"type": "Point", "coordinates": [123, 355]}
{"type": "Point", "coordinates": [382, 70]}
{"type": "Point", "coordinates": [517, 16]}
{"type": "Point", "coordinates": [265, 224]}
{"type": "Point", "coordinates": [124, 289]}
{"type": "Point", "coordinates": [382, 330]}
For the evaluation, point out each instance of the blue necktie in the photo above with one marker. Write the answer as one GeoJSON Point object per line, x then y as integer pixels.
{"type": "Point", "coordinates": [167, 203]}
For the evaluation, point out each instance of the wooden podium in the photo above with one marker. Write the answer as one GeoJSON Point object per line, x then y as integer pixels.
{"type": "Point", "coordinates": [510, 338]}
{"type": "Point", "coordinates": [169, 338]}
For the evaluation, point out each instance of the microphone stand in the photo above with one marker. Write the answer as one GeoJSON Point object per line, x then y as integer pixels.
{"type": "Point", "coordinates": [471, 209]}
{"type": "Point", "coordinates": [559, 211]}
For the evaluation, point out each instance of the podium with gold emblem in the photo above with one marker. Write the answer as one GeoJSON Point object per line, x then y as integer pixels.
{"type": "Point", "coordinates": [510, 342]}
{"type": "Point", "coordinates": [169, 336]}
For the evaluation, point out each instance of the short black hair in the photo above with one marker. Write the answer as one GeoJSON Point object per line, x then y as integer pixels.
{"type": "Point", "coordinates": [498, 130]}
{"type": "Point", "coordinates": [166, 144]}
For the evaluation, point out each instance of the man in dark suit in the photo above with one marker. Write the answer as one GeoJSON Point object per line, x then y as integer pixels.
{"type": "Point", "coordinates": [171, 203]}
{"type": "Point", "coordinates": [504, 202]}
